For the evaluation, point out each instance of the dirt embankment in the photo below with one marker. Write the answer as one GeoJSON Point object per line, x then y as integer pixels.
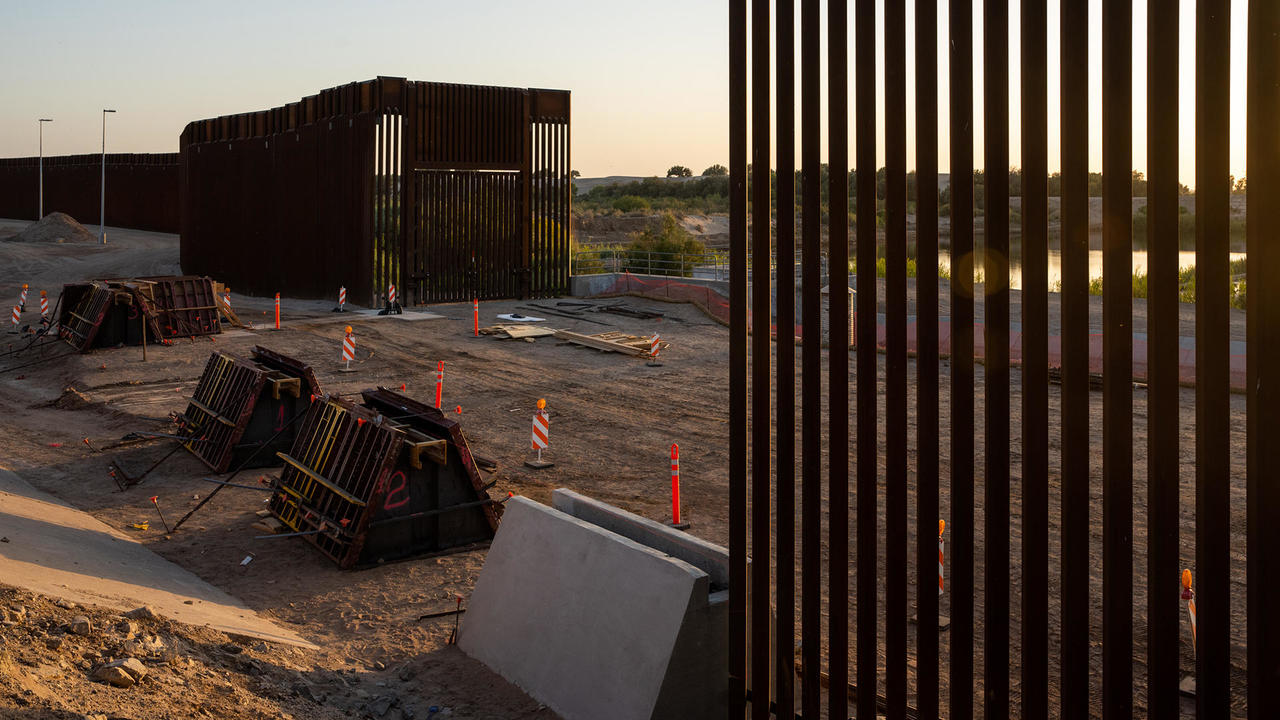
{"type": "Point", "coordinates": [617, 228]}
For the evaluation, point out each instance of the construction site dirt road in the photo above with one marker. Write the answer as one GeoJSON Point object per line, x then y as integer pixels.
{"type": "Point", "coordinates": [612, 421]}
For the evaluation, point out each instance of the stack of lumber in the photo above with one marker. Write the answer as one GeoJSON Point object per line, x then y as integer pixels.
{"type": "Point", "coordinates": [228, 316]}
{"type": "Point", "coordinates": [612, 342]}
{"type": "Point", "coordinates": [516, 331]}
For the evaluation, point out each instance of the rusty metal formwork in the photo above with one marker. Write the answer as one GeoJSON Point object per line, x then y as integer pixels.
{"type": "Point", "coordinates": [106, 313]}
{"type": "Point", "coordinates": [390, 479]}
{"type": "Point", "coordinates": [451, 192]}
{"type": "Point", "coordinates": [240, 405]}
{"type": "Point", "coordinates": [84, 306]}
{"type": "Point", "coordinates": [184, 306]}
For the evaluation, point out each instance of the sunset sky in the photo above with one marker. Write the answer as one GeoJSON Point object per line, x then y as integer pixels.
{"type": "Point", "coordinates": [649, 80]}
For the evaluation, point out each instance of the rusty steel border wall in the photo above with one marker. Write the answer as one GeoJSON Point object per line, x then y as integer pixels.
{"type": "Point", "coordinates": [142, 189]}
{"type": "Point", "coordinates": [449, 191]}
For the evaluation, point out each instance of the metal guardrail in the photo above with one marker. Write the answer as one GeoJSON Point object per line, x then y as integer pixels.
{"type": "Point", "coordinates": [706, 266]}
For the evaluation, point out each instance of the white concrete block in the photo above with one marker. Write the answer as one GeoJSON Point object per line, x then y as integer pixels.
{"type": "Point", "coordinates": [594, 624]}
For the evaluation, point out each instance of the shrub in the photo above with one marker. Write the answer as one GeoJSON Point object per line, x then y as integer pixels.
{"type": "Point", "coordinates": [630, 203]}
{"type": "Point", "coordinates": [666, 239]}
{"type": "Point", "coordinates": [1238, 295]}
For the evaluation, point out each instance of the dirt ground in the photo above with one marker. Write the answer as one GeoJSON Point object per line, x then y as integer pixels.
{"type": "Point", "coordinates": [613, 420]}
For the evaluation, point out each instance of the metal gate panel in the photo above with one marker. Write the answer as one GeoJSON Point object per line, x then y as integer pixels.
{"type": "Point", "coordinates": [465, 241]}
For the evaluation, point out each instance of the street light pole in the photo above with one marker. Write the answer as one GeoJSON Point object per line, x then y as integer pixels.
{"type": "Point", "coordinates": [40, 124]}
{"type": "Point", "coordinates": [102, 217]}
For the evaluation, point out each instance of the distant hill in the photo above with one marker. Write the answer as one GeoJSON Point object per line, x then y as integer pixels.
{"type": "Point", "coordinates": [585, 185]}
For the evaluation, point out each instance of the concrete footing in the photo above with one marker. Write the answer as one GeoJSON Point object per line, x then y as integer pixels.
{"type": "Point", "coordinates": [601, 613]}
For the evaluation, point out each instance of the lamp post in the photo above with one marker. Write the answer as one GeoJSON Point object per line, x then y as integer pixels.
{"type": "Point", "coordinates": [42, 121]}
{"type": "Point", "coordinates": [102, 217]}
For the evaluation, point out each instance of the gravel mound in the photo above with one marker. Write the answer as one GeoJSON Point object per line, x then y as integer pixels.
{"type": "Point", "coordinates": [55, 227]}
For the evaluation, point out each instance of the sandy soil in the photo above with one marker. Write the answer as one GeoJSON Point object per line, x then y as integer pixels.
{"type": "Point", "coordinates": [613, 420]}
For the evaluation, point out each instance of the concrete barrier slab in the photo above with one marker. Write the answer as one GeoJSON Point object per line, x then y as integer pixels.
{"type": "Point", "coordinates": [595, 624]}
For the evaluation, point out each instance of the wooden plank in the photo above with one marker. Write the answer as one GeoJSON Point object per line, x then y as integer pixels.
{"type": "Point", "coordinates": [525, 331]}
{"type": "Point", "coordinates": [599, 343]}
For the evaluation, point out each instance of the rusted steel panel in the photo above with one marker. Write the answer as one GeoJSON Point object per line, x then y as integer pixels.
{"type": "Point", "coordinates": [339, 172]}
{"type": "Point", "coordinates": [142, 190]}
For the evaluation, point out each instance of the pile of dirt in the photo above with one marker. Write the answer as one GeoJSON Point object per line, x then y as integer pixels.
{"type": "Point", "coordinates": [70, 399]}
{"type": "Point", "coordinates": [55, 227]}
{"type": "Point", "coordinates": [58, 660]}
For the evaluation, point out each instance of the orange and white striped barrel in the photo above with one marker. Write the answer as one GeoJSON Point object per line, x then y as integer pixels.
{"type": "Point", "coordinates": [653, 345]}
{"type": "Point", "coordinates": [942, 525]}
{"type": "Point", "coordinates": [44, 304]}
{"type": "Point", "coordinates": [541, 426]}
{"type": "Point", "coordinates": [342, 296]}
{"type": "Point", "coordinates": [22, 299]}
{"type": "Point", "coordinates": [391, 294]}
{"type": "Point", "coordinates": [1189, 595]}
{"type": "Point", "coordinates": [348, 347]}
{"type": "Point", "coordinates": [17, 316]}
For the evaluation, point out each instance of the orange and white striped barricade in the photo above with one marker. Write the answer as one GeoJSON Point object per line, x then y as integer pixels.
{"type": "Point", "coordinates": [655, 344]}
{"type": "Point", "coordinates": [44, 306]}
{"type": "Point", "coordinates": [1187, 686]}
{"type": "Point", "coordinates": [16, 317]}
{"type": "Point", "coordinates": [439, 382]}
{"type": "Point", "coordinates": [675, 489]}
{"type": "Point", "coordinates": [226, 298]}
{"type": "Point", "coordinates": [393, 306]}
{"type": "Point", "coordinates": [541, 435]}
{"type": "Point", "coordinates": [944, 622]}
{"type": "Point", "coordinates": [22, 298]}
{"type": "Point", "coordinates": [348, 349]}
{"type": "Point", "coordinates": [342, 299]}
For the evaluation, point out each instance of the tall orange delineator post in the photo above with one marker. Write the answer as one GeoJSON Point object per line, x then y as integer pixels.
{"type": "Point", "coordinates": [675, 489]}
{"type": "Point", "coordinates": [277, 311]}
{"type": "Point", "coordinates": [475, 313]}
{"type": "Point", "coordinates": [541, 435]}
{"type": "Point", "coordinates": [439, 382]}
{"type": "Point", "coordinates": [1189, 595]}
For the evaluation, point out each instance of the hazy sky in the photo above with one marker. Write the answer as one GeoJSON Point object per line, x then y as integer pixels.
{"type": "Point", "coordinates": [649, 80]}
